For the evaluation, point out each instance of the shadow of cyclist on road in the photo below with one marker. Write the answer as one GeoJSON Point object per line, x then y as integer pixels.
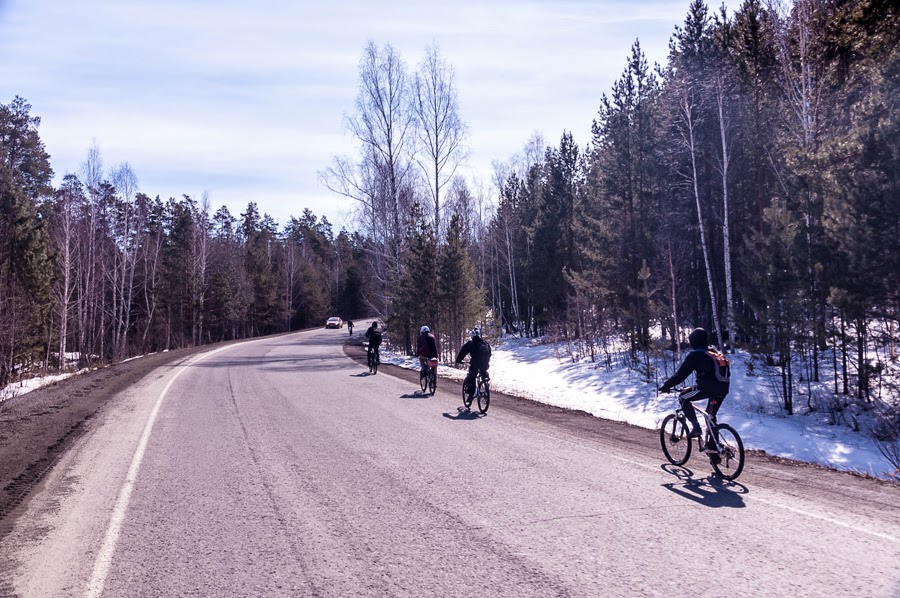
{"type": "Point", "coordinates": [463, 414]}
{"type": "Point", "coordinates": [711, 491]}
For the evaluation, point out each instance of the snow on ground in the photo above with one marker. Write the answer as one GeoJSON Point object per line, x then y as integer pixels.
{"type": "Point", "coordinates": [19, 388]}
{"type": "Point", "coordinates": [543, 373]}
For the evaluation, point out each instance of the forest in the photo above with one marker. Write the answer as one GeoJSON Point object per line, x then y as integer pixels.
{"type": "Point", "coordinates": [750, 185]}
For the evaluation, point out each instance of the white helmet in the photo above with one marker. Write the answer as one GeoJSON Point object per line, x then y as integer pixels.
{"type": "Point", "coordinates": [475, 333]}
{"type": "Point", "coordinates": [424, 329]}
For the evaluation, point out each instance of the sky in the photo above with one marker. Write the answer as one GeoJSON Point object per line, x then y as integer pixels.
{"type": "Point", "coordinates": [246, 100]}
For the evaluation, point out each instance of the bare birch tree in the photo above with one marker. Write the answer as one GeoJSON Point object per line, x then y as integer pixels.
{"type": "Point", "coordinates": [126, 232]}
{"type": "Point", "coordinates": [63, 236]}
{"type": "Point", "coordinates": [88, 302]}
{"type": "Point", "coordinates": [385, 124]}
{"type": "Point", "coordinates": [721, 88]}
{"type": "Point", "coordinates": [380, 179]}
{"type": "Point", "coordinates": [440, 129]}
{"type": "Point", "coordinates": [687, 113]}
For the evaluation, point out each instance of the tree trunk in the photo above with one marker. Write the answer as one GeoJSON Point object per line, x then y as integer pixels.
{"type": "Point", "coordinates": [687, 113]}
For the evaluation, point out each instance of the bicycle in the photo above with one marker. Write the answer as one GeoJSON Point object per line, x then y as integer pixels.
{"type": "Point", "coordinates": [482, 393]}
{"type": "Point", "coordinates": [429, 381]}
{"type": "Point", "coordinates": [373, 358]}
{"type": "Point", "coordinates": [720, 442]}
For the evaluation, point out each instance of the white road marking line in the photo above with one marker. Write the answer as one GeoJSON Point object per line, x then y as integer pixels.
{"type": "Point", "coordinates": [828, 519]}
{"type": "Point", "coordinates": [771, 503]}
{"type": "Point", "coordinates": [104, 558]}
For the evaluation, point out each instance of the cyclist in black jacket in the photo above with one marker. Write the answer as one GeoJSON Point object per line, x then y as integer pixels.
{"type": "Point", "coordinates": [373, 334]}
{"type": "Point", "coordinates": [480, 351]}
{"type": "Point", "coordinates": [710, 383]}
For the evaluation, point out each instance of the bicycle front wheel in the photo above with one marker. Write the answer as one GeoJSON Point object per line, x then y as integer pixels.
{"type": "Point", "coordinates": [484, 397]}
{"type": "Point", "coordinates": [730, 463]}
{"type": "Point", "coordinates": [673, 437]}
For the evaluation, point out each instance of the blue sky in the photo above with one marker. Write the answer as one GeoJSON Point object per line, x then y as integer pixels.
{"type": "Point", "coordinates": [246, 100]}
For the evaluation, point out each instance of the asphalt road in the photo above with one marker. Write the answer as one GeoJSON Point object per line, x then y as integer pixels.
{"type": "Point", "coordinates": [279, 467]}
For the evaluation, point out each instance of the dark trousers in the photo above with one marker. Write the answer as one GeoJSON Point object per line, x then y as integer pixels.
{"type": "Point", "coordinates": [469, 384]}
{"type": "Point", "coordinates": [687, 405]}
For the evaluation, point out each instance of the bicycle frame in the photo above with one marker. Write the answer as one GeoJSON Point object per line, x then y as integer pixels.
{"type": "Point", "coordinates": [709, 423]}
{"type": "Point", "coordinates": [479, 384]}
{"type": "Point", "coordinates": [430, 370]}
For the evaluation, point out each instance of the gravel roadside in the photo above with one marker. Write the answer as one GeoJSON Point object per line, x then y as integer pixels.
{"type": "Point", "coordinates": [36, 428]}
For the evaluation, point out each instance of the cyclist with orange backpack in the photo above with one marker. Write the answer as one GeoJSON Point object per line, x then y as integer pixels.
{"type": "Point", "coordinates": [713, 373]}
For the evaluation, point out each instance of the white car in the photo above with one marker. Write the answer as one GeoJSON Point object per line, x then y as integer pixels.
{"type": "Point", "coordinates": [334, 322]}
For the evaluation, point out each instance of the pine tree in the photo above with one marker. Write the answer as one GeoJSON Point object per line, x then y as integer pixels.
{"type": "Point", "coordinates": [416, 299]}
{"type": "Point", "coordinates": [462, 302]}
{"type": "Point", "coordinates": [25, 264]}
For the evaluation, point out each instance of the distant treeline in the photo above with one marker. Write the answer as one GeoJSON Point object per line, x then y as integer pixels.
{"type": "Point", "coordinates": [100, 270]}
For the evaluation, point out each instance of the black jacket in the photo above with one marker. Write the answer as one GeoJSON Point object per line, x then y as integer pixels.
{"type": "Point", "coordinates": [374, 336]}
{"type": "Point", "coordinates": [478, 349]}
{"type": "Point", "coordinates": [699, 361]}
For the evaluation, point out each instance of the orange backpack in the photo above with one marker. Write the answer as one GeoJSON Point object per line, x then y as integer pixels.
{"type": "Point", "coordinates": [723, 366]}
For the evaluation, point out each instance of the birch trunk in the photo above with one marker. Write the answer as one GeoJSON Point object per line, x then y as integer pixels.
{"type": "Point", "coordinates": [726, 228]}
{"type": "Point", "coordinates": [687, 114]}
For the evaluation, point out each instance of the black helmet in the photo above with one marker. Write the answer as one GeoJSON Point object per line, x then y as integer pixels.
{"type": "Point", "coordinates": [698, 338]}
{"type": "Point", "coordinates": [475, 333]}
{"type": "Point", "coordinates": [374, 324]}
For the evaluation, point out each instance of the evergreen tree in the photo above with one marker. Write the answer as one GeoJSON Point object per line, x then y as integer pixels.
{"type": "Point", "coordinates": [416, 299]}
{"type": "Point", "coordinates": [25, 263]}
{"type": "Point", "coordinates": [460, 300]}
{"type": "Point", "coordinates": [258, 235]}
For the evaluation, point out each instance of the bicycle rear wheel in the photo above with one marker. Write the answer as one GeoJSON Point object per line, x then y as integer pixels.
{"type": "Point", "coordinates": [423, 381]}
{"type": "Point", "coordinates": [467, 399]}
{"type": "Point", "coordinates": [484, 397]}
{"type": "Point", "coordinates": [432, 380]}
{"type": "Point", "coordinates": [673, 437]}
{"type": "Point", "coordinates": [730, 463]}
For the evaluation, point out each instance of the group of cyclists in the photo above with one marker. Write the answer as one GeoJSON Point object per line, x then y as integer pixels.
{"type": "Point", "coordinates": [702, 360]}
{"type": "Point", "coordinates": [711, 368]}
{"type": "Point", "coordinates": [476, 348]}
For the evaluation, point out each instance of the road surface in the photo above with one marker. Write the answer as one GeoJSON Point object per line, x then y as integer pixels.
{"type": "Point", "coordinates": [279, 467]}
